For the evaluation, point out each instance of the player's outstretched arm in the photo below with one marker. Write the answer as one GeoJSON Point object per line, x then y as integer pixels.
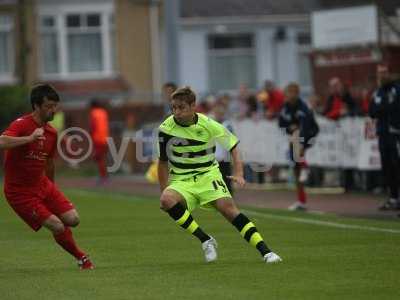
{"type": "Point", "coordinates": [8, 142]}
{"type": "Point", "coordinates": [237, 168]}
{"type": "Point", "coordinates": [163, 174]}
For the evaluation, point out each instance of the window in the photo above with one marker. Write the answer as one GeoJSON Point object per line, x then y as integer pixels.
{"type": "Point", "coordinates": [84, 43]}
{"type": "Point", "coordinates": [77, 42]}
{"type": "Point", "coordinates": [303, 60]}
{"type": "Point", "coordinates": [113, 42]}
{"type": "Point", "coordinates": [6, 48]}
{"type": "Point", "coordinates": [231, 61]}
{"type": "Point", "coordinates": [49, 45]}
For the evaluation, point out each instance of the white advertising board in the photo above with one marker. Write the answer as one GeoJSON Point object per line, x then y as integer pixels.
{"type": "Point", "coordinates": [344, 27]}
{"type": "Point", "coordinates": [350, 143]}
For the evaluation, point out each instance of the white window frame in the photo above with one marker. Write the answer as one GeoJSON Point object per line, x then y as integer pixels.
{"type": "Point", "coordinates": [234, 52]}
{"type": "Point", "coordinates": [9, 78]}
{"type": "Point", "coordinates": [47, 30]}
{"type": "Point", "coordinates": [59, 12]}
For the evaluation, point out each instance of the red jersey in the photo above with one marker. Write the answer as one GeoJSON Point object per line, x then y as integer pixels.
{"type": "Point", "coordinates": [99, 125]}
{"type": "Point", "coordinates": [24, 166]}
{"type": "Point", "coordinates": [275, 101]}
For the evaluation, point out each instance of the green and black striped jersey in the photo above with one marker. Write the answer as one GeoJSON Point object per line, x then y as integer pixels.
{"type": "Point", "coordinates": [191, 149]}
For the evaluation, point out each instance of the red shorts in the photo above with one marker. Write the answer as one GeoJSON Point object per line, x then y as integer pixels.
{"type": "Point", "coordinates": [36, 206]}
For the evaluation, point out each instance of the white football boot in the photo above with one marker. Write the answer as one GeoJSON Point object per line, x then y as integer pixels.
{"type": "Point", "coordinates": [297, 206]}
{"type": "Point", "coordinates": [272, 257]}
{"type": "Point", "coordinates": [210, 249]}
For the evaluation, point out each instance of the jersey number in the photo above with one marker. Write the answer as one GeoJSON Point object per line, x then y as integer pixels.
{"type": "Point", "coordinates": [219, 183]}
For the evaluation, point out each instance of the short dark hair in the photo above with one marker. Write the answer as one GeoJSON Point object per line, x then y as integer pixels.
{"type": "Point", "coordinates": [184, 94]}
{"type": "Point", "coordinates": [95, 103]}
{"type": "Point", "coordinates": [41, 92]}
{"type": "Point", "coordinates": [171, 85]}
{"type": "Point", "coordinates": [294, 85]}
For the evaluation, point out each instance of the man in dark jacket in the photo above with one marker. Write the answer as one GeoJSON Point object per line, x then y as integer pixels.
{"type": "Point", "coordinates": [299, 122]}
{"type": "Point", "coordinates": [385, 108]}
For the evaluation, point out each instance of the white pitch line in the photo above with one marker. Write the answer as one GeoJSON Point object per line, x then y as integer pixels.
{"type": "Point", "coordinates": [321, 223]}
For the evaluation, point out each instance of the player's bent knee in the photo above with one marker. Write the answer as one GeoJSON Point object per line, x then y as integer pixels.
{"type": "Point", "coordinates": [55, 226]}
{"type": "Point", "coordinates": [227, 208]}
{"type": "Point", "coordinates": [70, 218]}
{"type": "Point", "coordinates": [167, 201]}
{"type": "Point", "coordinates": [226, 205]}
{"type": "Point", "coordinates": [73, 221]}
{"type": "Point", "coordinates": [60, 228]}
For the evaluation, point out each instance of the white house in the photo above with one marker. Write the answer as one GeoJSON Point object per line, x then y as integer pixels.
{"type": "Point", "coordinates": [228, 42]}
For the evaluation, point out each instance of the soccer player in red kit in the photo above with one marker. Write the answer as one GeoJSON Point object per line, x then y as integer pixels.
{"type": "Point", "coordinates": [30, 144]}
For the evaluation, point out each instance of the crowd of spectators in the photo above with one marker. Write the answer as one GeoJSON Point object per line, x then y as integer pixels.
{"type": "Point", "coordinates": [343, 100]}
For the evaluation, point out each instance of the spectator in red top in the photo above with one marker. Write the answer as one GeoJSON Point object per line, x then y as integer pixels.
{"type": "Point", "coordinates": [364, 102]}
{"type": "Point", "coordinates": [273, 99]}
{"type": "Point", "coordinates": [99, 131]}
{"type": "Point", "coordinates": [339, 103]}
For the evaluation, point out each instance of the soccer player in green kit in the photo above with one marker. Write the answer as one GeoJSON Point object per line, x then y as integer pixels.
{"type": "Point", "coordinates": [189, 176]}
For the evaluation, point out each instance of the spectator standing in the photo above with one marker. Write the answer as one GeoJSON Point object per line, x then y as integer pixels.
{"type": "Point", "coordinates": [385, 108]}
{"type": "Point", "coordinates": [272, 98]}
{"type": "Point", "coordinates": [99, 132]}
{"type": "Point", "coordinates": [365, 101]}
{"type": "Point", "coordinates": [339, 103]}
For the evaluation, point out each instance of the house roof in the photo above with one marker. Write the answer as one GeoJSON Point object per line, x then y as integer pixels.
{"type": "Point", "coordinates": [389, 7]}
{"type": "Point", "coordinates": [225, 8]}
{"type": "Point", "coordinates": [7, 2]}
{"type": "Point", "coordinates": [237, 8]}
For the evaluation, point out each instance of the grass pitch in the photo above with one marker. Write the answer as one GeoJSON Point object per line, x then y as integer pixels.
{"type": "Point", "coordinates": [141, 254]}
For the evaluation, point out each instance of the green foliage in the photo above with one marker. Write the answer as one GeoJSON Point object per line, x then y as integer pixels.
{"type": "Point", "coordinates": [14, 102]}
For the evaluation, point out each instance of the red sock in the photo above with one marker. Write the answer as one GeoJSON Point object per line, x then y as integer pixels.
{"type": "Point", "coordinates": [303, 164]}
{"type": "Point", "coordinates": [101, 163]}
{"type": "Point", "coordinates": [301, 195]}
{"type": "Point", "coordinates": [67, 242]}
